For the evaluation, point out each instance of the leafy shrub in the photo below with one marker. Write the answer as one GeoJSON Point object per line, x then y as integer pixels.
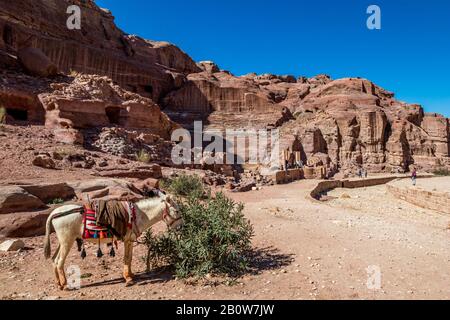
{"type": "Point", "coordinates": [143, 156]}
{"type": "Point", "coordinates": [56, 201]}
{"type": "Point", "coordinates": [2, 114]}
{"type": "Point", "coordinates": [185, 186]}
{"type": "Point", "coordinates": [215, 239]}
{"type": "Point", "coordinates": [442, 172]}
{"type": "Point", "coordinates": [73, 73]}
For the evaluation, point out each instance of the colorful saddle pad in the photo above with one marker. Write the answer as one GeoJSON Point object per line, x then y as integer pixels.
{"type": "Point", "coordinates": [91, 229]}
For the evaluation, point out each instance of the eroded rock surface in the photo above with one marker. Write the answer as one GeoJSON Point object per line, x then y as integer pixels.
{"type": "Point", "coordinates": [111, 79]}
{"type": "Point", "coordinates": [146, 67]}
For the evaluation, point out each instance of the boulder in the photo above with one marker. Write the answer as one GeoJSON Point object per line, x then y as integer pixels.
{"type": "Point", "coordinates": [44, 161]}
{"type": "Point", "coordinates": [36, 62]}
{"type": "Point", "coordinates": [12, 245]}
{"type": "Point", "coordinates": [24, 224]}
{"type": "Point", "coordinates": [16, 199]}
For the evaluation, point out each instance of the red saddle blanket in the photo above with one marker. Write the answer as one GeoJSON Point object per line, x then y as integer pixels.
{"type": "Point", "coordinates": [91, 229]}
{"type": "Point", "coordinates": [108, 219]}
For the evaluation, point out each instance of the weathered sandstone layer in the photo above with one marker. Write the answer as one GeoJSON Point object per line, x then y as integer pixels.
{"type": "Point", "coordinates": [342, 124]}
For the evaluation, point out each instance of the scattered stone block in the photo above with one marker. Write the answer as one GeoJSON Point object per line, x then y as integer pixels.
{"type": "Point", "coordinates": [12, 245]}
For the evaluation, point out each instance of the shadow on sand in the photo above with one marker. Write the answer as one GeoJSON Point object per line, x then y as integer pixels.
{"type": "Point", "coordinates": [261, 259]}
{"type": "Point", "coordinates": [268, 258]}
{"type": "Point", "coordinates": [139, 279]}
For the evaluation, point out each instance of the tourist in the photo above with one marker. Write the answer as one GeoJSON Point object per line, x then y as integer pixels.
{"type": "Point", "coordinates": [414, 176]}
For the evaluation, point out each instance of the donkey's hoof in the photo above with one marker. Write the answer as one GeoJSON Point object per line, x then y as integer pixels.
{"type": "Point", "coordinates": [129, 283]}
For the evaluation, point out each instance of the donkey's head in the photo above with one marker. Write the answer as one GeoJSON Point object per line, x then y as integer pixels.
{"type": "Point", "coordinates": [171, 214]}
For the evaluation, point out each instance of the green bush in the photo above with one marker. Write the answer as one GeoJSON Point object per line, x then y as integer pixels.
{"type": "Point", "coordinates": [442, 172]}
{"type": "Point", "coordinates": [143, 156]}
{"type": "Point", "coordinates": [185, 186]}
{"type": "Point", "coordinates": [215, 239]}
{"type": "Point", "coordinates": [2, 114]}
{"type": "Point", "coordinates": [56, 201]}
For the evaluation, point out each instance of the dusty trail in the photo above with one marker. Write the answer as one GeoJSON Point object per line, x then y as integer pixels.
{"type": "Point", "coordinates": [310, 250]}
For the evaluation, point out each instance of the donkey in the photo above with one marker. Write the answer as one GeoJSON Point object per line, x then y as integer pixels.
{"type": "Point", "coordinates": [68, 224]}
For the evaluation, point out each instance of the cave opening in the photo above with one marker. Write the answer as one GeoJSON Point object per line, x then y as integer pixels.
{"type": "Point", "coordinates": [148, 89]}
{"type": "Point", "coordinates": [8, 35]}
{"type": "Point", "coordinates": [17, 114]}
{"type": "Point", "coordinates": [113, 114]}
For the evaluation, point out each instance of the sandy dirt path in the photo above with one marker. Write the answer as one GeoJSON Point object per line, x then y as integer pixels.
{"type": "Point", "coordinates": [308, 250]}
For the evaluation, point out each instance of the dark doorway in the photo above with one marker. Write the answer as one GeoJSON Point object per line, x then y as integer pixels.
{"type": "Point", "coordinates": [8, 35]}
{"type": "Point", "coordinates": [148, 89]}
{"type": "Point", "coordinates": [113, 114]}
{"type": "Point", "coordinates": [17, 114]}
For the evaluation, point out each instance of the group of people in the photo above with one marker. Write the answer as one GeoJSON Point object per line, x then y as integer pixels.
{"type": "Point", "coordinates": [362, 173]}
{"type": "Point", "coordinates": [297, 165]}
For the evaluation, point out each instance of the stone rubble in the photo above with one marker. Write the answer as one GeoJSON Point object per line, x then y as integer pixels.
{"type": "Point", "coordinates": [12, 245]}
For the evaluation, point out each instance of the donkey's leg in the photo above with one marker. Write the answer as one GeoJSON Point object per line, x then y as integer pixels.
{"type": "Point", "coordinates": [55, 267]}
{"type": "Point", "coordinates": [127, 274]}
{"type": "Point", "coordinates": [131, 260]}
{"type": "Point", "coordinates": [63, 253]}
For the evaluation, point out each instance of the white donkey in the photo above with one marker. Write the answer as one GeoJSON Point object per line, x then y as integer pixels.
{"type": "Point", "coordinates": [68, 224]}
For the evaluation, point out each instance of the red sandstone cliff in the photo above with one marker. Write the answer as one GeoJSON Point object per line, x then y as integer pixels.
{"type": "Point", "coordinates": [146, 67]}
{"type": "Point", "coordinates": [344, 123]}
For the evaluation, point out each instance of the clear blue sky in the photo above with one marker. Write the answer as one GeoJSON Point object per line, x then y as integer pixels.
{"type": "Point", "coordinates": [410, 55]}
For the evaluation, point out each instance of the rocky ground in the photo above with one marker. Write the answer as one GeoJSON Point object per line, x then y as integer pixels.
{"type": "Point", "coordinates": [111, 112]}
{"type": "Point", "coordinates": [22, 145]}
{"type": "Point", "coordinates": [306, 250]}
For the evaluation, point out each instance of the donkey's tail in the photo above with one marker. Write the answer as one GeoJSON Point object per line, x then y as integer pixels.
{"type": "Point", "coordinates": [47, 245]}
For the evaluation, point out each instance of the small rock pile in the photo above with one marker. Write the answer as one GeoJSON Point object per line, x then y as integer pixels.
{"type": "Point", "coordinates": [61, 160]}
{"type": "Point", "coordinates": [250, 180]}
{"type": "Point", "coordinates": [215, 179]}
{"type": "Point", "coordinates": [133, 145]}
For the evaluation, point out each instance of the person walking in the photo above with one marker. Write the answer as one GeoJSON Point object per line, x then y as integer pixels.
{"type": "Point", "coordinates": [414, 176]}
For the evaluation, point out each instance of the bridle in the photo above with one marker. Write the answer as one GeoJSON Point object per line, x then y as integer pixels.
{"type": "Point", "coordinates": [167, 218]}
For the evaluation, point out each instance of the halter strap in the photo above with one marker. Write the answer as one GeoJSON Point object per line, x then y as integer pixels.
{"type": "Point", "coordinates": [166, 214]}
{"type": "Point", "coordinates": [133, 219]}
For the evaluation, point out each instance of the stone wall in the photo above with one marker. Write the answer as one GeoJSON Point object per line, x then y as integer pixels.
{"type": "Point", "coordinates": [428, 199]}
{"type": "Point", "coordinates": [324, 187]}
{"type": "Point", "coordinates": [329, 185]}
{"type": "Point", "coordinates": [291, 175]}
